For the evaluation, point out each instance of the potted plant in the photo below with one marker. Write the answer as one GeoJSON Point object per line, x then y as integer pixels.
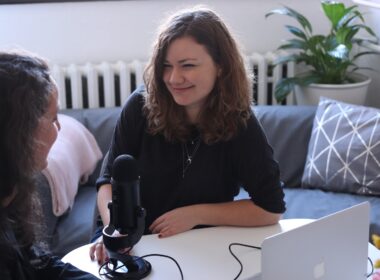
{"type": "Point", "coordinates": [329, 59]}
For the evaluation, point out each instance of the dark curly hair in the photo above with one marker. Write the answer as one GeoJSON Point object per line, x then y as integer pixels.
{"type": "Point", "coordinates": [227, 108]}
{"type": "Point", "coordinates": [25, 89]}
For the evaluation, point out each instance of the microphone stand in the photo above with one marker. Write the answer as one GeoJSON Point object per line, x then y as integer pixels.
{"type": "Point", "coordinates": [124, 266]}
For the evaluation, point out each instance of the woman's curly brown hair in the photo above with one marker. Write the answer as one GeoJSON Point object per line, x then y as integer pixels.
{"type": "Point", "coordinates": [227, 108]}
{"type": "Point", "coordinates": [25, 90]}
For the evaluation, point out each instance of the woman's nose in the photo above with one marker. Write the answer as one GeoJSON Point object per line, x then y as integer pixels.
{"type": "Point", "coordinates": [176, 76]}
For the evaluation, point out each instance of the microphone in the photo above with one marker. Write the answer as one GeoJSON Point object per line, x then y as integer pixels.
{"type": "Point", "coordinates": [125, 194]}
{"type": "Point", "coordinates": [127, 223]}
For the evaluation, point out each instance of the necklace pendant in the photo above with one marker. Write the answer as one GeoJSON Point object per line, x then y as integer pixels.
{"type": "Point", "coordinates": [188, 160]}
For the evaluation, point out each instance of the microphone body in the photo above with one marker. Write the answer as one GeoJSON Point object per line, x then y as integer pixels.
{"type": "Point", "coordinates": [125, 204]}
{"type": "Point", "coordinates": [127, 217]}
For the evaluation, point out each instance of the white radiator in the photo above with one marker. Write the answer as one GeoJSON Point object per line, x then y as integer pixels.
{"type": "Point", "coordinates": [109, 84]}
{"type": "Point", "coordinates": [266, 76]}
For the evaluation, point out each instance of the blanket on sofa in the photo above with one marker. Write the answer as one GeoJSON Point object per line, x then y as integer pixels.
{"type": "Point", "coordinates": [72, 158]}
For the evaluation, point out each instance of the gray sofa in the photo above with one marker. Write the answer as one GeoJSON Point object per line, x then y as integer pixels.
{"type": "Point", "coordinates": [288, 129]}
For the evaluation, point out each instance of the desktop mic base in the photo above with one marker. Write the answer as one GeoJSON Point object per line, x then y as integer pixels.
{"type": "Point", "coordinates": [125, 267]}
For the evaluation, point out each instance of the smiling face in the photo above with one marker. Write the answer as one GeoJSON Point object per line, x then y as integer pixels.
{"type": "Point", "coordinates": [189, 74]}
{"type": "Point", "coordinates": [47, 132]}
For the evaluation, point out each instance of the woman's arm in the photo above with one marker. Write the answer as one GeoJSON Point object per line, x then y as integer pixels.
{"type": "Point", "coordinates": [98, 249]}
{"type": "Point", "coordinates": [104, 196]}
{"type": "Point", "coordinates": [129, 123]}
{"type": "Point", "coordinates": [235, 213]}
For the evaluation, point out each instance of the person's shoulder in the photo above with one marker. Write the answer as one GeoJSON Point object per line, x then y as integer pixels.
{"type": "Point", "coordinates": [137, 97]}
{"type": "Point", "coordinates": [252, 121]}
{"type": "Point", "coordinates": [251, 128]}
{"type": "Point", "coordinates": [132, 110]}
{"type": "Point", "coordinates": [135, 102]}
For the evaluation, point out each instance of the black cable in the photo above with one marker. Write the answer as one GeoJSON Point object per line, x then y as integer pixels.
{"type": "Point", "coordinates": [142, 257]}
{"type": "Point", "coordinates": [230, 250]}
{"type": "Point", "coordinates": [110, 273]}
{"type": "Point", "coordinates": [114, 268]}
{"type": "Point", "coordinates": [373, 270]}
{"type": "Point", "coordinates": [165, 256]}
{"type": "Point", "coordinates": [236, 258]}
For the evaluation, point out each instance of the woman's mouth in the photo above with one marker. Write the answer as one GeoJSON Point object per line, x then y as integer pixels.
{"type": "Point", "coordinates": [180, 89]}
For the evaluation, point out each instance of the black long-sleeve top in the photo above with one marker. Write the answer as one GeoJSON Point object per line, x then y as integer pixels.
{"type": "Point", "coordinates": [32, 263]}
{"type": "Point", "coordinates": [215, 175]}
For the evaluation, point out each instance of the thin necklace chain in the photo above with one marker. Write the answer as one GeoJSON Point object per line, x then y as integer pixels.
{"type": "Point", "coordinates": [187, 158]}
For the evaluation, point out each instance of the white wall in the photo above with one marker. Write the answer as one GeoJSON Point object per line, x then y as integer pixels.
{"type": "Point", "coordinates": [373, 61]}
{"type": "Point", "coordinates": [113, 30]}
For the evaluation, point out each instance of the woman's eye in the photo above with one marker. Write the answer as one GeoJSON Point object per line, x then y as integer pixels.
{"type": "Point", "coordinates": [167, 65]}
{"type": "Point", "coordinates": [188, 65]}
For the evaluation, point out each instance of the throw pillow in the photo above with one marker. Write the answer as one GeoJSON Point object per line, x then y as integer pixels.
{"type": "Point", "coordinates": [72, 158]}
{"type": "Point", "coordinates": [344, 149]}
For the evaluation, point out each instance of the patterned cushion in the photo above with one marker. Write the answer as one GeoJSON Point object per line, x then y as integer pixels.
{"type": "Point", "coordinates": [344, 149]}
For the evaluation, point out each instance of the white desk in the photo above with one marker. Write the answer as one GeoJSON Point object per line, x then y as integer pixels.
{"type": "Point", "coordinates": [201, 252]}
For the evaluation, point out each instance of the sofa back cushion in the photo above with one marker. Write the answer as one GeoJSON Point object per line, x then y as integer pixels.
{"type": "Point", "coordinates": [101, 123]}
{"type": "Point", "coordinates": [288, 129]}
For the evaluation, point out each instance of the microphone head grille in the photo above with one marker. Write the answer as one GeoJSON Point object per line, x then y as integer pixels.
{"type": "Point", "coordinates": [124, 168]}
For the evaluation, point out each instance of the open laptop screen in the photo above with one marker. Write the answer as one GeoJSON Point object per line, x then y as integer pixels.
{"type": "Point", "coordinates": [332, 247]}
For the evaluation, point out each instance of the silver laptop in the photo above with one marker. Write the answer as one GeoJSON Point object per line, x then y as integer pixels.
{"type": "Point", "coordinates": [330, 248]}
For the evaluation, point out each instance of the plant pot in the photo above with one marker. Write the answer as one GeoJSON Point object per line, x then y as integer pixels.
{"type": "Point", "coordinates": [354, 93]}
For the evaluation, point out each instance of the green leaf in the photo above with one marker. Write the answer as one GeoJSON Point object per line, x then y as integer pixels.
{"type": "Point", "coordinates": [294, 44]}
{"type": "Point", "coordinates": [283, 89]}
{"type": "Point", "coordinates": [302, 20]}
{"type": "Point", "coordinates": [351, 14]}
{"type": "Point", "coordinates": [345, 34]}
{"type": "Point", "coordinates": [364, 53]}
{"type": "Point", "coordinates": [286, 85]}
{"type": "Point", "coordinates": [366, 28]}
{"type": "Point", "coordinates": [285, 59]}
{"type": "Point", "coordinates": [334, 11]}
{"type": "Point", "coordinates": [296, 31]}
{"type": "Point", "coordinates": [307, 79]}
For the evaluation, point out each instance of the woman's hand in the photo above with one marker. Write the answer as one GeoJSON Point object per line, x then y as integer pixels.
{"type": "Point", "coordinates": [233, 213]}
{"type": "Point", "coordinates": [174, 222]}
{"type": "Point", "coordinates": [99, 251]}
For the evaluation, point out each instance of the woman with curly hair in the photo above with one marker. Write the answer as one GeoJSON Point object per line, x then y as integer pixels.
{"type": "Point", "coordinates": [29, 125]}
{"type": "Point", "coordinates": [194, 135]}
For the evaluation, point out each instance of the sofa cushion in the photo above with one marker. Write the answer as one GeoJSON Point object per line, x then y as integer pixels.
{"type": "Point", "coordinates": [71, 160]}
{"type": "Point", "coordinates": [344, 150]}
{"type": "Point", "coordinates": [288, 130]}
{"type": "Point", "coordinates": [101, 123]}
{"type": "Point", "coordinates": [76, 227]}
{"type": "Point", "coordinates": [316, 203]}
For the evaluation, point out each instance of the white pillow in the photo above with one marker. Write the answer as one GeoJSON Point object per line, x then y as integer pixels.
{"type": "Point", "coordinates": [71, 160]}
